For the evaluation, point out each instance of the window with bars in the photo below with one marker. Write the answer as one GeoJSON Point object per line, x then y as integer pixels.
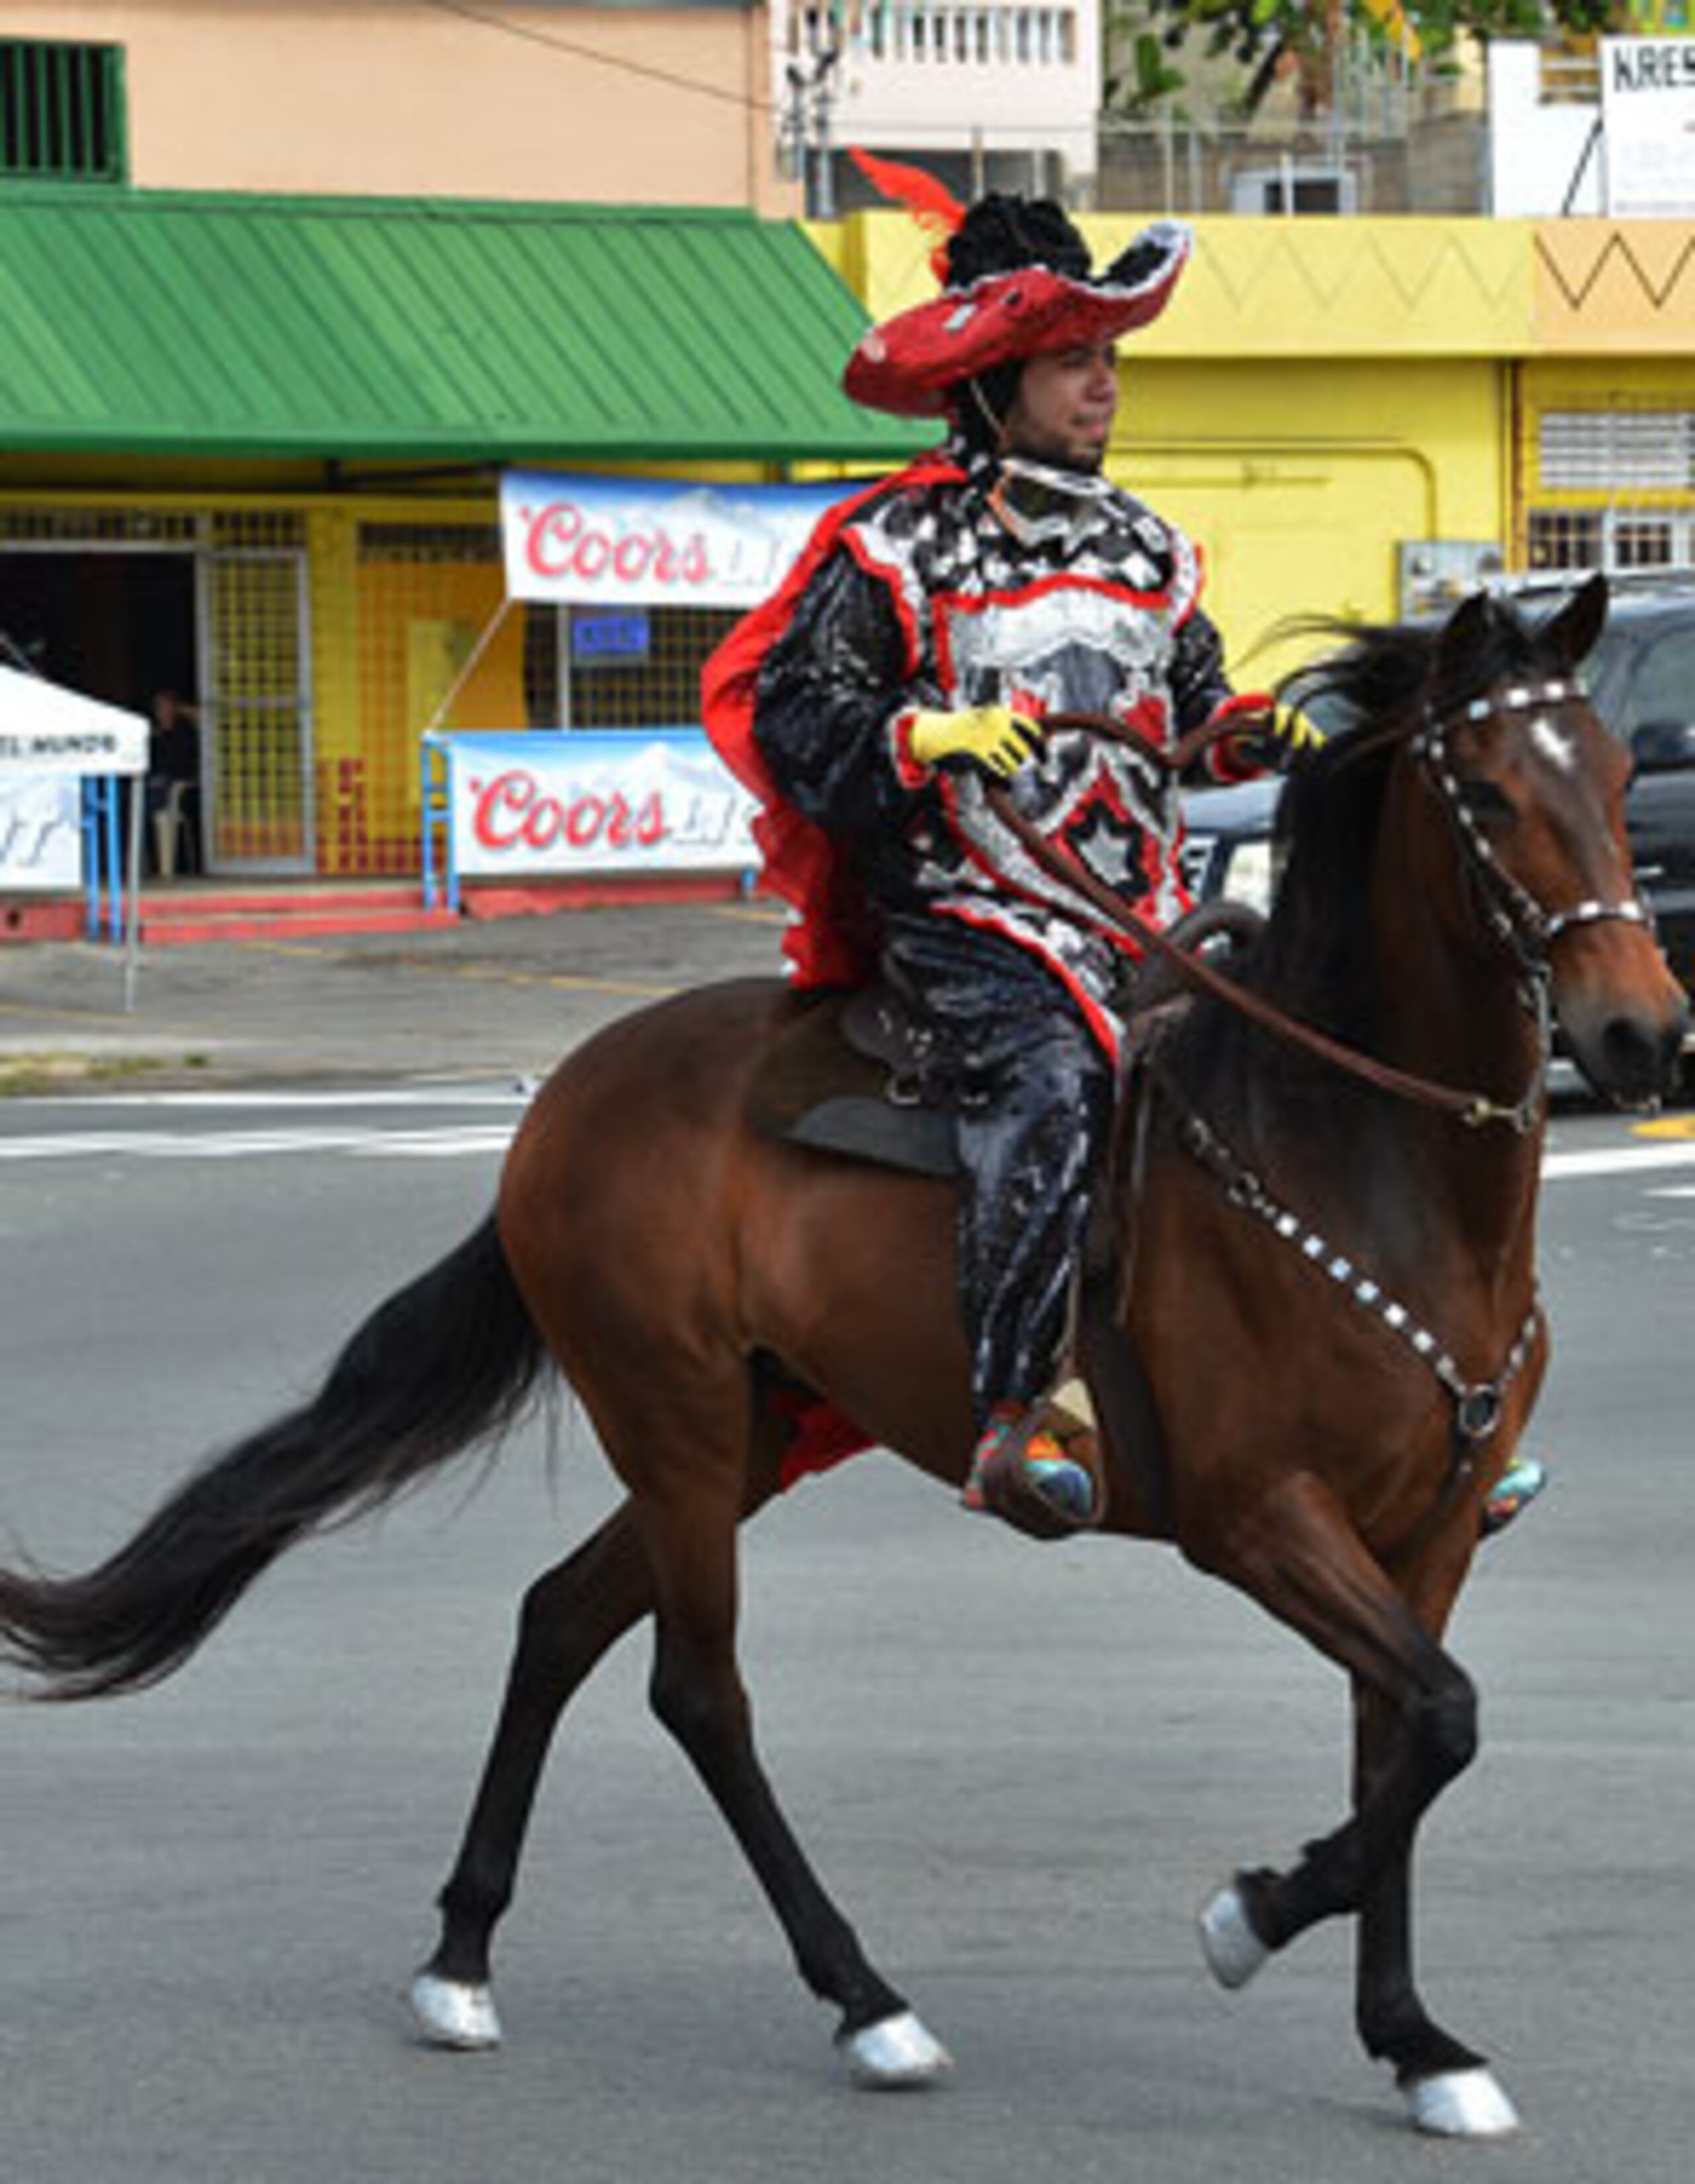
{"type": "Point", "coordinates": [653, 685]}
{"type": "Point", "coordinates": [1613, 450]}
{"type": "Point", "coordinates": [1610, 538]}
{"type": "Point", "coordinates": [61, 112]}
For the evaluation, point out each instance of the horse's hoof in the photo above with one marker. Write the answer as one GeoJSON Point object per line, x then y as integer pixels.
{"type": "Point", "coordinates": [1233, 1950]}
{"type": "Point", "coordinates": [895, 2054]}
{"type": "Point", "coordinates": [454, 2013]}
{"type": "Point", "coordinates": [1460, 2104]}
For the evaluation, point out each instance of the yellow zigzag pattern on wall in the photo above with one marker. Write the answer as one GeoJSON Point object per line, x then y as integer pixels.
{"type": "Point", "coordinates": [1359, 285]}
{"type": "Point", "coordinates": [1576, 284]}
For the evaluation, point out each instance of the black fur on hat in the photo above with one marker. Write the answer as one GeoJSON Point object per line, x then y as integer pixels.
{"type": "Point", "coordinates": [1001, 233]}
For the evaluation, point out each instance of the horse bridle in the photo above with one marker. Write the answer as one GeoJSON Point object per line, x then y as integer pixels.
{"type": "Point", "coordinates": [1525, 925]}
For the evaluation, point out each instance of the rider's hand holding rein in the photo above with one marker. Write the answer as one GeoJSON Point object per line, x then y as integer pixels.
{"type": "Point", "coordinates": [992, 739]}
{"type": "Point", "coordinates": [1277, 737]}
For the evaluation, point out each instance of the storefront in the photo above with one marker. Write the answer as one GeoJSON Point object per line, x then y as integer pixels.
{"type": "Point", "coordinates": [252, 457]}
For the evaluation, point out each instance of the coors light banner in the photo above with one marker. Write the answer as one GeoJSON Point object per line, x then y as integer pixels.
{"type": "Point", "coordinates": [653, 542]}
{"type": "Point", "coordinates": [526, 806]}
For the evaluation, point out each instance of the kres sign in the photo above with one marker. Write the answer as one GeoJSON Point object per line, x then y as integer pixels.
{"type": "Point", "coordinates": [1648, 111]}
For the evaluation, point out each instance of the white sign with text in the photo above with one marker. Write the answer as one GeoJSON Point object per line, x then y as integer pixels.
{"type": "Point", "coordinates": [540, 804]}
{"type": "Point", "coordinates": [650, 542]}
{"type": "Point", "coordinates": [41, 832]}
{"type": "Point", "coordinates": [1648, 111]}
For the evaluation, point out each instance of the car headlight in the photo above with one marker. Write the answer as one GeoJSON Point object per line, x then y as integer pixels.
{"type": "Point", "coordinates": [1250, 875]}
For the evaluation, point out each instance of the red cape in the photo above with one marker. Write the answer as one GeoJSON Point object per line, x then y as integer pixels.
{"type": "Point", "coordinates": [833, 940]}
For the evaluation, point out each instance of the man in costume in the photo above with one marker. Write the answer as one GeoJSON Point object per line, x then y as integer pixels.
{"type": "Point", "coordinates": [932, 626]}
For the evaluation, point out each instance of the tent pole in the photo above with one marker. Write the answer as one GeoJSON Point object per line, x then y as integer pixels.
{"type": "Point", "coordinates": [132, 935]}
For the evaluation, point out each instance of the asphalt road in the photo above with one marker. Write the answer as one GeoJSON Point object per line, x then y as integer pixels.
{"type": "Point", "coordinates": [1019, 1768]}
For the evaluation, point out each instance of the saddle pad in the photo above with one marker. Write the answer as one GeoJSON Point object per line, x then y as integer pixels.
{"type": "Point", "coordinates": [812, 1089]}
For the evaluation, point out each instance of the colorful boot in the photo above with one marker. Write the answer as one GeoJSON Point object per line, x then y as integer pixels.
{"type": "Point", "coordinates": [1516, 1488]}
{"type": "Point", "coordinates": [1020, 1473]}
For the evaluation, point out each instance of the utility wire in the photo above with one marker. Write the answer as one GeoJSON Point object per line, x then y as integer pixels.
{"type": "Point", "coordinates": [539, 37]}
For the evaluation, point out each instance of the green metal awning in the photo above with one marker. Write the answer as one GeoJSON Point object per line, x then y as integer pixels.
{"type": "Point", "coordinates": [159, 322]}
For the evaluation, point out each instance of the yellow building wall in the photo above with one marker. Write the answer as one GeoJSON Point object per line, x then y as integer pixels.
{"type": "Point", "coordinates": [1316, 393]}
{"type": "Point", "coordinates": [1299, 480]}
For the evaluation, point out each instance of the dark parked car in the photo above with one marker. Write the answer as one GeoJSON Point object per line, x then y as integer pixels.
{"type": "Point", "coordinates": [1642, 677]}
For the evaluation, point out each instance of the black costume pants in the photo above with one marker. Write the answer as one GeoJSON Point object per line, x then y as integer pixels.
{"type": "Point", "coordinates": [1031, 1149]}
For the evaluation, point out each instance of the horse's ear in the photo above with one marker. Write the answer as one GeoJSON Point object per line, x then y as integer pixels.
{"type": "Point", "coordinates": [1466, 631]}
{"type": "Point", "coordinates": [1574, 630]}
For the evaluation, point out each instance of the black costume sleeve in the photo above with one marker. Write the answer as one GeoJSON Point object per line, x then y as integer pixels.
{"type": "Point", "coordinates": [828, 690]}
{"type": "Point", "coordinates": [1199, 685]}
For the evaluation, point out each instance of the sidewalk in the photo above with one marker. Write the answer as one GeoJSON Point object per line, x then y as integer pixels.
{"type": "Point", "coordinates": [475, 999]}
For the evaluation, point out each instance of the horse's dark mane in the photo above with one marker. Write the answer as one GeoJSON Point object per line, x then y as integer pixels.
{"type": "Point", "coordinates": [1314, 958]}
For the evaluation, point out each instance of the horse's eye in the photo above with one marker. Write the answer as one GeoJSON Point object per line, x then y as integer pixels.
{"type": "Point", "coordinates": [1486, 800]}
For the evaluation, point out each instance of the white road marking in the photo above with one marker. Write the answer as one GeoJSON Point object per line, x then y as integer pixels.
{"type": "Point", "coordinates": [474, 1140]}
{"type": "Point", "coordinates": [1618, 1160]}
{"type": "Point", "coordinates": [408, 1095]}
{"type": "Point", "coordinates": [465, 1140]}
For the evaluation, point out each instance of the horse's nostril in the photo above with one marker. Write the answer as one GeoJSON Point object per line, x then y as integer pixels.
{"type": "Point", "coordinates": [1640, 1055]}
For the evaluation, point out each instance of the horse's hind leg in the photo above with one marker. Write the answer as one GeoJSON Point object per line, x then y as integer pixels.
{"type": "Point", "coordinates": [570, 1618]}
{"type": "Point", "coordinates": [1418, 1730]}
{"type": "Point", "coordinates": [697, 1692]}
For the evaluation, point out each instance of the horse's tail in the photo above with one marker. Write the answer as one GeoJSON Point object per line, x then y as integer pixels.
{"type": "Point", "coordinates": [448, 1361]}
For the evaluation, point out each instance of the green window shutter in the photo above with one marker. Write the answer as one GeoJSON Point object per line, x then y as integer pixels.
{"type": "Point", "coordinates": [61, 112]}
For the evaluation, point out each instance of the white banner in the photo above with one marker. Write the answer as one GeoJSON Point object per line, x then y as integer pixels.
{"type": "Point", "coordinates": [41, 832]}
{"type": "Point", "coordinates": [526, 806]}
{"type": "Point", "coordinates": [1648, 108]}
{"type": "Point", "coordinates": [650, 542]}
{"type": "Point", "coordinates": [46, 729]}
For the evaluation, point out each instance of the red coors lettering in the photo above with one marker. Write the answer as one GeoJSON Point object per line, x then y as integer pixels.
{"type": "Point", "coordinates": [511, 811]}
{"type": "Point", "coordinates": [561, 542]}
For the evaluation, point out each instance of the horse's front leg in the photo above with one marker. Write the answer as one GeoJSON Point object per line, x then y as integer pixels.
{"type": "Point", "coordinates": [1449, 2087]}
{"type": "Point", "coordinates": [1417, 1729]}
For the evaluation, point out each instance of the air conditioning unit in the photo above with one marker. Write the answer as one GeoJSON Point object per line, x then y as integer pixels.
{"type": "Point", "coordinates": [1293, 186]}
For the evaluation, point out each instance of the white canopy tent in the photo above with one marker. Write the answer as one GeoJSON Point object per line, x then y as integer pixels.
{"type": "Point", "coordinates": [44, 729]}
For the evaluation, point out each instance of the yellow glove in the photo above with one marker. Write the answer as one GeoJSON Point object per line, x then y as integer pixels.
{"type": "Point", "coordinates": [1272, 734]}
{"type": "Point", "coordinates": [1290, 726]}
{"type": "Point", "coordinates": [992, 737]}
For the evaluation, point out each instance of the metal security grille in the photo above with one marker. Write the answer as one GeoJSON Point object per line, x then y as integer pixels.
{"type": "Point", "coordinates": [656, 684]}
{"type": "Point", "coordinates": [38, 525]}
{"type": "Point", "coordinates": [61, 112]}
{"type": "Point", "coordinates": [255, 687]}
{"type": "Point", "coordinates": [1607, 483]}
{"type": "Point", "coordinates": [1616, 450]}
{"type": "Point", "coordinates": [428, 594]}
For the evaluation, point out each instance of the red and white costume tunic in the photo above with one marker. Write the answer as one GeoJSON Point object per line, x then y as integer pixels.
{"type": "Point", "coordinates": [922, 595]}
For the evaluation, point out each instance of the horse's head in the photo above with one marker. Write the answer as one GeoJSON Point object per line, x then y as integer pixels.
{"type": "Point", "coordinates": [1535, 784]}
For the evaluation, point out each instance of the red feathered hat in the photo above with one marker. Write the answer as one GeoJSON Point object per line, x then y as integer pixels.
{"type": "Point", "coordinates": [1017, 283]}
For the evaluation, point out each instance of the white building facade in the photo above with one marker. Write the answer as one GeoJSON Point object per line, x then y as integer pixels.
{"type": "Point", "coordinates": [999, 94]}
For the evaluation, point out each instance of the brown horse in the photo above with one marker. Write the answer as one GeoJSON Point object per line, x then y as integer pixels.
{"type": "Point", "coordinates": [1333, 1302]}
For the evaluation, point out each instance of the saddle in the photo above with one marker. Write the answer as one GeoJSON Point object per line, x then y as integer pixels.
{"type": "Point", "coordinates": [865, 1075]}
{"type": "Point", "coordinates": [868, 1076]}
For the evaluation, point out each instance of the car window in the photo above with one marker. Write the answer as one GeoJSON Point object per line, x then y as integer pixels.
{"type": "Point", "coordinates": [1662, 690]}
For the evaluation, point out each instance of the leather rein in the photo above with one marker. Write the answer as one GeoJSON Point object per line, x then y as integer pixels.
{"type": "Point", "coordinates": [1528, 928]}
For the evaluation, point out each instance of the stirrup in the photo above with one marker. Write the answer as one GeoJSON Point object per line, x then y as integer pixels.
{"type": "Point", "coordinates": [1517, 1487]}
{"type": "Point", "coordinates": [1020, 1473]}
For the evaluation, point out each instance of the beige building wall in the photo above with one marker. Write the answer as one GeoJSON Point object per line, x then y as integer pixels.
{"type": "Point", "coordinates": [394, 97]}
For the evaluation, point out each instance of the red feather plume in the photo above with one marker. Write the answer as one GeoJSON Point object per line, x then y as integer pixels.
{"type": "Point", "coordinates": [931, 204]}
